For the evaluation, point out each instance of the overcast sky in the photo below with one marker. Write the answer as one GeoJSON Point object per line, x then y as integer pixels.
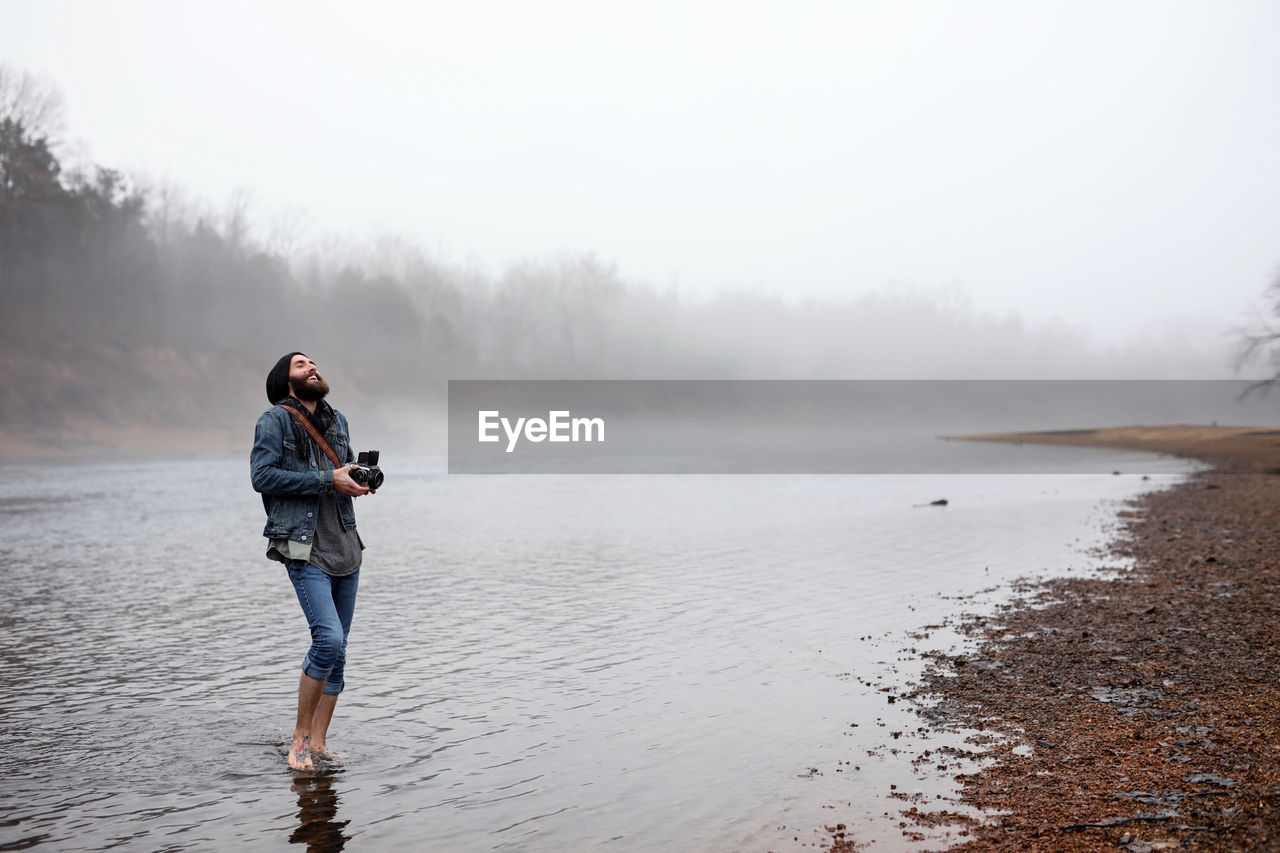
{"type": "Point", "coordinates": [1115, 165]}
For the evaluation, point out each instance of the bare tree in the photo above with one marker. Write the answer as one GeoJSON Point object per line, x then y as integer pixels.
{"type": "Point", "coordinates": [168, 211]}
{"type": "Point", "coordinates": [235, 221]}
{"type": "Point", "coordinates": [286, 230]}
{"type": "Point", "coordinates": [1261, 342]}
{"type": "Point", "coordinates": [32, 103]}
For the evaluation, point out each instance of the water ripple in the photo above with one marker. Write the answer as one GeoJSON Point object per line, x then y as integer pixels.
{"type": "Point", "coordinates": [536, 663]}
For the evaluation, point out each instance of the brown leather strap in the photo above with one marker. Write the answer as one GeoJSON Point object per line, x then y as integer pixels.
{"type": "Point", "coordinates": [315, 435]}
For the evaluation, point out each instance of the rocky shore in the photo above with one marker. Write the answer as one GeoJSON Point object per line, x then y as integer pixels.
{"type": "Point", "coordinates": [1137, 711]}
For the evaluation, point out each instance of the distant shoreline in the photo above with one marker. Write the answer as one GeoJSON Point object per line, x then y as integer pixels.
{"type": "Point", "coordinates": [100, 443]}
{"type": "Point", "coordinates": [1144, 706]}
{"type": "Point", "coordinates": [1233, 448]}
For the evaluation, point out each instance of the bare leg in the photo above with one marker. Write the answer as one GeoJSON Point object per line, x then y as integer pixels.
{"type": "Point", "coordinates": [320, 722]}
{"type": "Point", "coordinates": [309, 692]}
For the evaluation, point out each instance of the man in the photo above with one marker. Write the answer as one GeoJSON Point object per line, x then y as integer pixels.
{"type": "Point", "coordinates": [311, 526]}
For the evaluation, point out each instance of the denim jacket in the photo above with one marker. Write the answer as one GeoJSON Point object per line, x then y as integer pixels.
{"type": "Point", "coordinates": [291, 484]}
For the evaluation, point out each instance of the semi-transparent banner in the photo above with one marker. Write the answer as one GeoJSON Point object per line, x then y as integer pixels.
{"type": "Point", "coordinates": [818, 426]}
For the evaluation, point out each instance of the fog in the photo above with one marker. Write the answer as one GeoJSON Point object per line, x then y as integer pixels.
{"type": "Point", "coordinates": [1107, 165]}
{"type": "Point", "coordinates": [928, 190]}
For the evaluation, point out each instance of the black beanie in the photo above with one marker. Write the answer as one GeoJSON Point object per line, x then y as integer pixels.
{"type": "Point", "coordinates": [278, 378]}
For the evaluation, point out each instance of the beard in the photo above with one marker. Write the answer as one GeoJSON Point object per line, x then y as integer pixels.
{"type": "Point", "coordinates": [309, 392]}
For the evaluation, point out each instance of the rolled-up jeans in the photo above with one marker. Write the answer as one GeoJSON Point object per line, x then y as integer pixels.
{"type": "Point", "coordinates": [328, 603]}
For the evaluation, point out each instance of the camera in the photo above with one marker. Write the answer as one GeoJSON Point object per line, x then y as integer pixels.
{"type": "Point", "coordinates": [367, 473]}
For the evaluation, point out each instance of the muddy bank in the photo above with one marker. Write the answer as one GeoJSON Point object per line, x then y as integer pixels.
{"type": "Point", "coordinates": [1136, 711]}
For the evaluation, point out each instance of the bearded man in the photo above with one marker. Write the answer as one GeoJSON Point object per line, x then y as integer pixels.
{"type": "Point", "coordinates": [300, 464]}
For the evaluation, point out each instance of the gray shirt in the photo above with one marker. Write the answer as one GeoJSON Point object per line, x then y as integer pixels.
{"type": "Point", "coordinates": [334, 549]}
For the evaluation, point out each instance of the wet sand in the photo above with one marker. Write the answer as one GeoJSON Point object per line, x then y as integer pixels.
{"type": "Point", "coordinates": [1138, 710]}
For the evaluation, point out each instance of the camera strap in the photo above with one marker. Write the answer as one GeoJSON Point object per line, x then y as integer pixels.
{"type": "Point", "coordinates": [314, 433]}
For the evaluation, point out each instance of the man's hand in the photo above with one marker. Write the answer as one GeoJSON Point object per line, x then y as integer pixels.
{"type": "Point", "coordinates": [343, 484]}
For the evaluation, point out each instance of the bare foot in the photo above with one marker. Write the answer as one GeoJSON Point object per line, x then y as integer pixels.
{"type": "Point", "coordinates": [323, 752]}
{"type": "Point", "coordinates": [300, 755]}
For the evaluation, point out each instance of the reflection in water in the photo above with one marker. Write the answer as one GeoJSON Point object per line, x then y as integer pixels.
{"type": "Point", "coordinates": [317, 810]}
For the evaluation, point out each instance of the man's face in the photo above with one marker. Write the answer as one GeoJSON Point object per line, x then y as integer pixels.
{"type": "Point", "coordinates": [304, 381]}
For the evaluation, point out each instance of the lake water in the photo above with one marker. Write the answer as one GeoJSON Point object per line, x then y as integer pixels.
{"type": "Point", "coordinates": [536, 663]}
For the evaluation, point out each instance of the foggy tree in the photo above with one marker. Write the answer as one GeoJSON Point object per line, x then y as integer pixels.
{"type": "Point", "coordinates": [31, 103]}
{"type": "Point", "coordinates": [285, 230]}
{"type": "Point", "coordinates": [556, 318]}
{"type": "Point", "coordinates": [235, 221]}
{"type": "Point", "coordinates": [30, 190]}
{"type": "Point", "coordinates": [376, 331]}
{"type": "Point", "coordinates": [30, 113]}
{"type": "Point", "coordinates": [1261, 342]}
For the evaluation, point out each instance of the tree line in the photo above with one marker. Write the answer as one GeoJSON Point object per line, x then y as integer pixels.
{"type": "Point", "coordinates": [123, 304]}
